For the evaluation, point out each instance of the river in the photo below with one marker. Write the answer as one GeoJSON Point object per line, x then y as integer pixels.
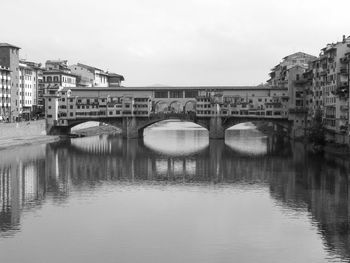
{"type": "Point", "coordinates": [174, 196]}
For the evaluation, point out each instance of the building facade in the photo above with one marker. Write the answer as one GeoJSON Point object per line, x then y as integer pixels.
{"type": "Point", "coordinates": [9, 58]}
{"type": "Point", "coordinates": [30, 84]}
{"type": "Point", "coordinates": [5, 93]}
{"type": "Point", "coordinates": [293, 73]}
{"type": "Point", "coordinates": [57, 74]}
{"type": "Point", "coordinates": [88, 76]}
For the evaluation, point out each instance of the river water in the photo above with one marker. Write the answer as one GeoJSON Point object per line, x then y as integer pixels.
{"type": "Point", "coordinates": [174, 196]}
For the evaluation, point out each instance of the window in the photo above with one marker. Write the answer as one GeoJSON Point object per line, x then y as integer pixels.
{"type": "Point", "coordinates": [176, 94]}
{"type": "Point", "coordinates": [161, 94]}
{"type": "Point", "coordinates": [191, 93]}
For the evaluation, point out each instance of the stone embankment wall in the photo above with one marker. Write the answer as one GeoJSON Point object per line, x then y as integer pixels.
{"type": "Point", "coordinates": [22, 129]}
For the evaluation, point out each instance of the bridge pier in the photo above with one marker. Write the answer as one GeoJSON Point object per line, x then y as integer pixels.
{"type": "Point", "coordinates": [57, 130]}
{"type": "Point", "coordinates": [130, 129]}
{"type": "Point", "coordinates": [216, 129]}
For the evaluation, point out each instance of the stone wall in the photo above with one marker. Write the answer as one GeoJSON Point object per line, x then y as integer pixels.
{"type": "Point", "coordinates": [22, 129]}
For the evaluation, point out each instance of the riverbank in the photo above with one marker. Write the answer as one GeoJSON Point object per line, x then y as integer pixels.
{"type": "Point", "coordinates": [24, 133]}
{"type": "Point", "coordinates": [33, 132]}
{"type": "Point", "coordinates": [97, 130]}
{"type": "Point", "coordinates": [11, 142]}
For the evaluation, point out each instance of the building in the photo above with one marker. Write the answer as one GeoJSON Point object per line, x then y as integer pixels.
{"type": "Point", "coordinates": [57, 65]}
{"type": "Point", "coordinates": [114, 80]}
{"type": "Point", "coordinates": [30, 89]}
{"type": "Point", "coordinates": [57, 74]}
{"type": "Point", "coordinates": [332, 81]}
{"type": "Point", "coordinates": [293, 73]}
{"type": "Point", "coordinates": [279, 74]}
{"type": "Point", "coordinates": [5, 93]}
{"type": "Point", "coordinates": [9, 58]}
{"type": "Point", "coordinates": [88, 76]}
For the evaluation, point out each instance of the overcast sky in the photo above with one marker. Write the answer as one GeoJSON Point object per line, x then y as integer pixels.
{"type": "Point", "coordinates": [178, 42]}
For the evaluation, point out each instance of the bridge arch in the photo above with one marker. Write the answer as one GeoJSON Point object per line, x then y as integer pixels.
{"type": "Point", "coordinates": [149, 123]}
{"type": "Point", "coordinates": [193, 102]}
{"type": "Point", "coordinates": [263, 125]}
{"type": "Point", "coordinates": [178, 103]}
{"type": "Point", "coordinates": [157, 106]}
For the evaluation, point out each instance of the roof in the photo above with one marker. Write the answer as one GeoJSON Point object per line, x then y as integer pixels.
{"type": "Point", "coordinates": [57, 61]}
{"type": "Point", "coordinates": [116, 75]}
{"type": "Point", "coordinates": [47, 72]}
{"type": "Point", "coordinates": [88, 67]}
{"type": "Point", "coordinates": [8, 45]}
{"type": "Point", "coordinates": [299, 54]}
{"type": "Point", "coordinates": [209, 88]}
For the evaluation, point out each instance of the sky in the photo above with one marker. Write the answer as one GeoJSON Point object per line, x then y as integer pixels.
{"type": "Point", "coordinates": [178, 42]}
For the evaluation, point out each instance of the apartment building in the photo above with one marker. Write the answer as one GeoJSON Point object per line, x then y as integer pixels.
{"type": "Point", "coordinates": [9, 58]}
{"type": "Point", "coordinates": [88, 76]}
{"type": "Point", "coordinates": [279, 73]}
{"type": "Point", "coordinates": [332, 78]}
{"type": "Point", "coordinates": [294, 74]}
{"type": "Point", "coordinates": [5, 93]}
{"type": "Point", "coordinates": [57, 74]}
{"type": "Point", "coordinates": [29, 88]}
{"type": "Point", "coordinates": [115, 80]}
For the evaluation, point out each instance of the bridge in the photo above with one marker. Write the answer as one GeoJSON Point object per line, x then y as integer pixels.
{"type": "Point", "coordinates": [133, 109]}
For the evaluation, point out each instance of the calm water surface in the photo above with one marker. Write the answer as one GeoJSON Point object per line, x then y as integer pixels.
{"type": "Point", "coordinates": [174, 196]}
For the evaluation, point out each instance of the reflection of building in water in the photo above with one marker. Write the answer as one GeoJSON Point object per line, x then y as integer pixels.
{"type": "Point", "coordinates": [20, 188]}
{"type": "Point", "coordinates": [323, 190]}
{"type": "Point", "coordinates": [95, 144]}
{"type": "Point", "coordinates": [249, 141]}
{"type": "Point", "coordinates": [175, 167]}
{"type": "Point", "coordinates": [298, 182]}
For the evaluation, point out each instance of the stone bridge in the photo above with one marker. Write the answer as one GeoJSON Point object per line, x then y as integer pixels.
{"type": "Point", "coordinates": [134, 126]}
{"type": "Point", "coordinates": [135, 108]}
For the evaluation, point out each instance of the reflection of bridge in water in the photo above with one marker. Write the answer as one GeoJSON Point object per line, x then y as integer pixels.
{"type": "Point", "coordinates": [299, 183]}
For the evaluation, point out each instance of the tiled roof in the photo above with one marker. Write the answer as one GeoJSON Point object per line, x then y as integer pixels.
{"type": "Point", "coordinates": [210, 88]}
{"type": "Point", "coordinates": [8, 45]}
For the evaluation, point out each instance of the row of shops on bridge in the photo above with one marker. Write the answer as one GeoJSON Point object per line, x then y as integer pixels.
{"type": "Point", "coordinates": [65, 105]}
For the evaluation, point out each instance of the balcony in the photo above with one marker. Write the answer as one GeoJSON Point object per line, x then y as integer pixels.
{"type": "Point", "coordinates": [344, 71]}
{"type": "Point", "coordinates": [344, 60]}
{"type": "Point", "coordinates": [344, 107]}
{"type": "Point", "coordinates": [343, 84]}
{"type": "Point", "coordinates": [323, 73]}
{"type": "Point", "coordinates": [298, 110]}
{"type": "Point", "coordinates": [302, 82]}
{"type": "Point", "coordinates": [342, 92]}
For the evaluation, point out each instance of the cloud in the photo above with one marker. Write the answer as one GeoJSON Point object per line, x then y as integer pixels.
{"type": "Point", "coordinates": [192, 42]}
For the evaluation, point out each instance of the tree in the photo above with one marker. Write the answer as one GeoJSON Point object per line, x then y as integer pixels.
{"type": "Point", "coordinates": [317, 130]}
